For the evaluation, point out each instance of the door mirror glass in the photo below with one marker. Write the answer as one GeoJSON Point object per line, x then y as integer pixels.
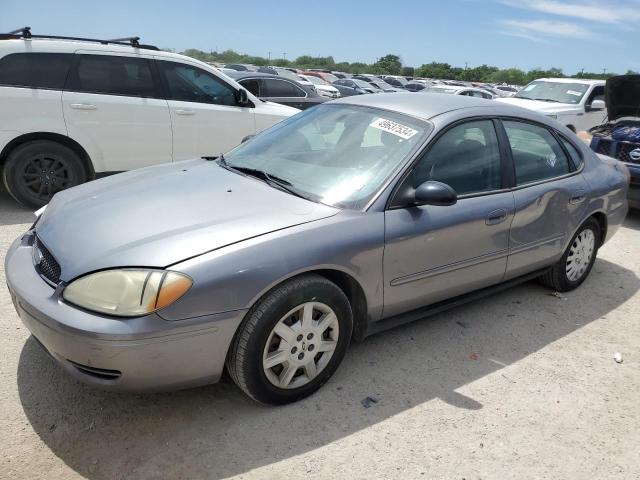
{"type": "Point", "coordinates": [434, 193]}
{"type": "Point", "coordinates": [597, 105]}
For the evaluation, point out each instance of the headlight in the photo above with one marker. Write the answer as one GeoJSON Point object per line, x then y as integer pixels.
{"type": "Point", "coordinates": [127, 292]}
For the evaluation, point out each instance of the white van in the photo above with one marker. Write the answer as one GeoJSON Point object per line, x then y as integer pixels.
{"type": "Point", "coordinates": [76, 109]}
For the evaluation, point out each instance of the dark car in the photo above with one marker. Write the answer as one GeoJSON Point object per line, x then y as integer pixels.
{"type": "Point", "coordinates": [353, 86]}
{"type": "Point", "coordinates": [278, 89]}
{"type": "Point", "coordinates": [238, 67]}
{"type": "Point", "coordinates": [619, 137]}
{"type": "Point", "coordinates": [415, 86]}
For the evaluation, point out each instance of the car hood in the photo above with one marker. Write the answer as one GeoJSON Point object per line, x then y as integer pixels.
{"type": "Point", "coordinates": [158, 216]}
{"type": "Point", "coordinates": [538, 106]}
{"type": "Point", "coordinates": [622, 96]}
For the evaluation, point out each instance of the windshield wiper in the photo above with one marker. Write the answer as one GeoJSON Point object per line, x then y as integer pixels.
{"type": "Point", "coordinates": [548, 100]}
{"type": "Point", "coordinates": [270, 179]}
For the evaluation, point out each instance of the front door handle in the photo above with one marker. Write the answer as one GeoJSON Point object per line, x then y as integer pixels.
{"type": "Point", "coordinates": [496, 217]}
{"type": "Point", "coordinates": [184, 111]}
{"type": "Point", "coordinates": [577, 197]}
{"type": "Point", "coordinates": [83, 106]}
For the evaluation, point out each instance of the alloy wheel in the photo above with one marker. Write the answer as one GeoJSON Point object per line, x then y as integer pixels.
{"type": "Point", "coordinates": [580, 255]}
{"type": "Point", "coordinates": [300, 345]}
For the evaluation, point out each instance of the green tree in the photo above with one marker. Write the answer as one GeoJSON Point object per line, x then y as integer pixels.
{"type": "Point", "coordinates": [388, 65]}
{"type": "Point", "coordinates": [408, 71]}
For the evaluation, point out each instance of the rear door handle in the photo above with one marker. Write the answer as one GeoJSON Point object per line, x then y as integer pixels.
{"type": "Point", "coordinates": [496, 217]}
{"type": "Point", "coordinates": [184, 111]}
{"type": "Point", "coordinates": [577, 197]}
{"type": "Point", "coordinates": [83, 106]}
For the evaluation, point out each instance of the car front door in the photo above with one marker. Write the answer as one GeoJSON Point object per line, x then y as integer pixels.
{"type": "Point", "coordinates": [591, 117]}
{"type": "Point", "coordinates": [205, 116]}
{"type": "Point", "coordinates": [436, 252]}
{"type": "Point", "coordinates": [549, 197]}
{"type": "Point", "coordinates": [112, 105]}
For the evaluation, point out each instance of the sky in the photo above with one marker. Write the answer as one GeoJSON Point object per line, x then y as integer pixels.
{"type": "Point", "coordinates": [571, 35]}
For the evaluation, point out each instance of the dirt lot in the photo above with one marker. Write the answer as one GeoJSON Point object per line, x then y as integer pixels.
{"type": "Point", "coordinates": [519, 385]}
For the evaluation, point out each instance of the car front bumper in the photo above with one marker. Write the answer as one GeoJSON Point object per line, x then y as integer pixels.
{"type": "Point", "coordinates": [128, 354]}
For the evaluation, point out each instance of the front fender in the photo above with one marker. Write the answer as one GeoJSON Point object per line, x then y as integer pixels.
{"type": "Point", "coordinates": [236, 276]}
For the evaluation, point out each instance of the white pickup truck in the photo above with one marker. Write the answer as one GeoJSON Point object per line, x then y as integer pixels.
{"type": "Point", "coordinates": [576, 103]}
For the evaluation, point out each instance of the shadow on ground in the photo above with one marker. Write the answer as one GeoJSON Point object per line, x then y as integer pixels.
{"type": "Point", "coordinates": [633, 219]}
{"type": "Point", "coordinates": [215, 431]}
{"type": "Point", "coordinates": [11, 212]}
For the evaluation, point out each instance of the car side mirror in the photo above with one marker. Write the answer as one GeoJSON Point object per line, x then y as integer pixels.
{"type": "Point", "coordinates": [247, 138]}
{"type": "Point", "coordinates": [431, 193]}
{"type": "Point", "coordinates": [597, 105]}
{"type": "Point", "coordinates": [241, 98]}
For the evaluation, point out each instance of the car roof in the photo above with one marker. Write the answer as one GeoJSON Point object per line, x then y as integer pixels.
{"type": "Point", "coordinates": [245, 74]}
{"type": "Point", "coordinates": [424, 105]}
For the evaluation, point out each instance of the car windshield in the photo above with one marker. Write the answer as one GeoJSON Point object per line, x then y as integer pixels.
{"type": "Point", "coordinates": [361, 83]}
{"type": "Point", "coordinates": [315, 80]}
{"type": "Point", "coordinates": [287, 74]}
{"type": "Point", "coordinates": [560, 92]}
{"type": "Point", "coordinates": [338, 155]}
{"type": "Point", "coordinates": [439, 90]}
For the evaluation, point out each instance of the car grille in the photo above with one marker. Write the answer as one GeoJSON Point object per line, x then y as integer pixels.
{"type": "Point", "coordinates": [45, 264]}
{"type": "Point", "coordinates": [612, 148]}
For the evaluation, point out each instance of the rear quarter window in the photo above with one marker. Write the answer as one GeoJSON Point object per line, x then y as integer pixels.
{"type": "Point", "coordinates": [35, 70]}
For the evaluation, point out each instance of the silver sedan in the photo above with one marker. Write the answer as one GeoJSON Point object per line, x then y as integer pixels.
{"type": "Point", "coordinates": [352, 217]}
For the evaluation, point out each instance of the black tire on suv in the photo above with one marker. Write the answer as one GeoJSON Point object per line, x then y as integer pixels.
{"type": "Point", "coordinates": [36, 170]}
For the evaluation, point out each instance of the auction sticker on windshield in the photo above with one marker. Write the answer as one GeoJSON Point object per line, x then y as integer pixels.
{"type": "Point", "coordinates": [395, 128]}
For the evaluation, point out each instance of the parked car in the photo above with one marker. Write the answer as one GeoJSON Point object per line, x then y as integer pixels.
{"type": "Point", "coordinates": [395, 80]}
{"type": "Point", "coordinates": [576, 103]}
{"type": "Point", "coordinates": [353, 86]}
{"type": "Point", "coordinates": [325, 75]}
{"type": "Point", "coordinates": [239, 67]}
{"type": "Point", "coordinates": [377, 83]}
{"type": "Point", "coordinates": [356, 216]}
{"type": "Point", "coordinates": [292, 75]}
{"type": "Point", "coordinates": [619, 136]}
{"type": "Point", "coordinates": [415, 86]}
{"type": "Point", "coordinates": [509, 90]}
{"type": "Point", "coordinates": [454, 90]}
{"type": "Point", "coordinates": [73, 110]}
{"type": "Point", "coordinates": [322, 87]}
{"type": "Point", "coordinates": [278, 89]}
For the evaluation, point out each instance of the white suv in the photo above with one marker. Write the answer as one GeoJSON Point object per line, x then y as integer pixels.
{"type": "Point", "coordinates": [76, 109]}
{"type": "Point", "coordinates": [576, 103]}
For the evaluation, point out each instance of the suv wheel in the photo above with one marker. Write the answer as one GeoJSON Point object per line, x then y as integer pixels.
{"type": "Point", "coordinates": [35, 171]}
{"type": "Point", "coordinates": [291, 341]}
{"type": "Point", "coordinates": [576, 263]}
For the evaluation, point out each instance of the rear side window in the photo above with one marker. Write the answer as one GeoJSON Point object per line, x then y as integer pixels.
{"type": "Point", "coordinates": [113, 75]}
{"type": "Point", "coordinates": [536, 153]}
{"type": "Point", "coordinates": [576, 158]}
{"type": "Point", "coordinates": [253, 85]}
{"type": "Point", "coordinates": [35, 70]}
{"type": "Point", "coordinates": [281, 88]}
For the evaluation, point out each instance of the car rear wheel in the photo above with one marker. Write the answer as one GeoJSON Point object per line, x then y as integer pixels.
{"type": "Point", "coordinates": [291, 341]}
{"type": "Point", "coordinates": [35, 171]}
{"type": "Point", "coordinates": [576, 263]}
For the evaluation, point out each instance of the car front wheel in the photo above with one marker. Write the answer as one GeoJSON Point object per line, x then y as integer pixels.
{"type": "Point", "coordinates": [291, 341]}
{"type": "Point", "coordinates": [578, 259]}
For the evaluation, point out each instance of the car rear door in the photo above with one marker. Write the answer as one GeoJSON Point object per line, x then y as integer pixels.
{"type": "Point", "coordinates": [549, 195]}
{"type": "Point", "coordinates": [113, 107]}
{"type": "Point", "coordinates": [285, 92]}
{"type": "Point", "coordinates": [436, 252]}
{"type": "Point", "coordinates": [205, 116]}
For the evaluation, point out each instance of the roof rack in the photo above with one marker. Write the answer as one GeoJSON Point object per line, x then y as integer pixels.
{"type": "Point", "coordinates": [25, 33]}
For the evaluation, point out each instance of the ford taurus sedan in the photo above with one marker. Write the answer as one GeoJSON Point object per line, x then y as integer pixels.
{"type": "Point", "coordinates": [344, 220]}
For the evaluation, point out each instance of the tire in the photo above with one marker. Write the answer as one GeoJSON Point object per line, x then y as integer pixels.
{"type": "Point", "coordinates": [558, 277]}
{"type": "Point", "coordinates": [35, 171]}
{"type": "Point", "coordinates": [257, 342]}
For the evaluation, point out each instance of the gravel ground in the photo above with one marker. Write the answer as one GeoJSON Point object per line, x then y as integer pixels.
{"type": "Point", "coordinates": [519, 385]}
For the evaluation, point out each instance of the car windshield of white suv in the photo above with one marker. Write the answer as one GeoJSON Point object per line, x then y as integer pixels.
{"type": "Point", "coordinates": [338, 155]}
{"type": "Point", "coordinates": [558, 92]}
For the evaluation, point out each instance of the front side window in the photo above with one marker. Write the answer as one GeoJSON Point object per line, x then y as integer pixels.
{"type": "Point", "coordinates": [281, 88]}
{"type": "Point", "coordinates": [466, 157]}
{"type": "Point", "coordinates": [536, 153]}
{"type": "Point", "coordinates": [192, 84]}
{"type": "Point", "coordinates": [113, 75]}
{"type": "Point", "coordinates": [35, 70]}
{"type": "Point", "coordinates": [555, 92]}
{"type": "Point", "coordinates": [339, 155]}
